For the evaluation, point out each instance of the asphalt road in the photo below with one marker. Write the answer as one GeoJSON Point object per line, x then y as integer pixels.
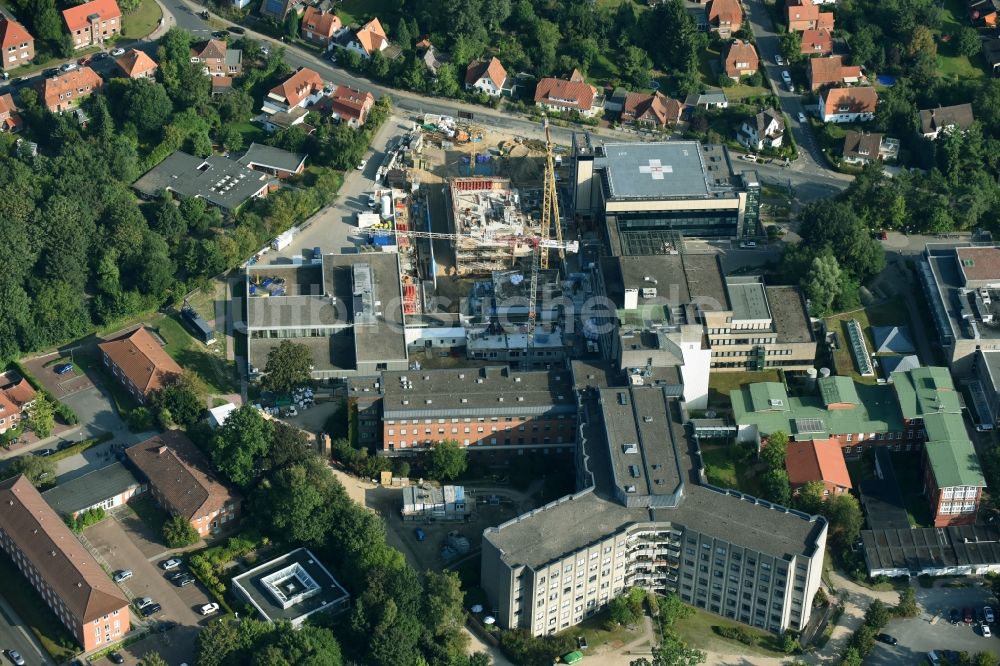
{"type": "Point", "coordinates": [15, 635]}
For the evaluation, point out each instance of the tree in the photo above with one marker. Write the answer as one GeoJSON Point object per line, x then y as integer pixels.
{"type": "Point", "coordinates": [822, 284]}
{"type": "Point", "coordinates": [296, 505]}
{"type": "Point", "coordinates": [41, 416]}
{"type": "Point", "coordinates": [447, 460]}
{"type": "Point", "coordinates": [230, 138]}
{"type": "Point", "coordinates": [877, 615]}
{"type": "Point", "coordinates": [291, 25]}
{"type": "Point", "coordinates": [480, 659]}
{"type": "Point", "coordinates": [672, 651]}
{"type": "Point", "coordinates": [635, 65]}
{"type": "Point", "coordinates": [621, 612]}
{"type": "Point", "coordinates": [40, 471]}
{"type": "Point", "coordinates": [810, 497]}
{"type": "Point", "coordinates": [907, 606]}
{"type": "Point", "coordinates": [178, 532]}
{"type": "Point", "coordinates": [146, 104]}
{"type": "Point", "coordinates": [152, 659]}
{"type": "Point", "coordinates": [241, 444]}
{"type": "Point", "coordinates": [776, 487]}
{"type": "Point", "coordinates": [288, 365]}
{"type": "Point", "coordinates": [968, 42]}
{"type": "Point", "coordinates": [921, 43]}
{"type": "Point", "coordinates": [183, 395]}
{"type": "Point", "coordinates": [844, 514]}
{"type": "Point", "coordinates": [773, 454]}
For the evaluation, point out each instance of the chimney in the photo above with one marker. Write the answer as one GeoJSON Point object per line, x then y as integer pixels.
{"type": "Point", "coordinates": [160, 450]}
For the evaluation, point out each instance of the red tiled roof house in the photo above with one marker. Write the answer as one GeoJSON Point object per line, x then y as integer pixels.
{"type": "Point", "coordinates": [139, 362]}
{"type": "Point", "coordinates": [848, 105]}
{"type": "Point", "coordinates": [486, 76]}
{"type": "Point", "coordinates": [303, 88]}
{"type": "Point", "coordinates": [369, 39]}
{"type": "Point", "coordinates": [817, 460]}
{"type": "Point", "coordinates": [725, 17]}
{"type": "Point", "coordinates": [320, 26]}
{"type": "Point", "coordinates": [741, 59]}
{"type": "Point", "coordinates": [831, 71]}
{"type": "Point", "coordinates": [349, 105]}
{"type": "Point", "coordinates": [65, 90]}
{"type": "Point", "coordinates": [15, 399]}
{"type": "Point", "coordinates": [93, 22]}
{"type": "Point", "coordinates": [17, 44]}
{"type": "Point", "coordinates": [181, 480]}
{"type": "Point", "coordinates": [807, 16]}
{"type": "Point", "coordinates": [656, 110]}
{"type": "Point", "coordinates": [217, 58]}
{"type": "Point", "coordinates": [137, 65]}
{"type": "Point", "coordinates": [562, 95]}
{"type": "Point", "coordinates": [10, 119]}
{"type": "Point", "coordinates": [55, 563]}
{"type": "Point", "coordinates": [818, 42]}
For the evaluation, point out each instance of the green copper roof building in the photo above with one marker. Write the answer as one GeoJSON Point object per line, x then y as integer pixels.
{"type": "Point", "coordinates": [923, 391]}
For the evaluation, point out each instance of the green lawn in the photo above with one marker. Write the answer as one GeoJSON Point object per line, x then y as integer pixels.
{"type": "Point", "coordinates": [958, 66]}
{"type": "Point", "coordinates": [596, 631]}
{"type": "Point", "coordinates": [142, 21]}
{"type": "Point", "coordinates": [723, 469]}
{"type": "Point", "coordinates": [215, 371]}
{"type": "Point", "coordinates": [352, 12]}
{"type": "Point", "coordinates": [251, 133]}
{"type": "Point", "coordinates": [697, 631]}
{"type": "Point", "coordinates": [27, 603]}
{"type": "Point", "coordinates": [741, 91]}
{"type": "Point", "coordinates": [890, 313]}
{"type": "Point", "coordinates": [705, 60]}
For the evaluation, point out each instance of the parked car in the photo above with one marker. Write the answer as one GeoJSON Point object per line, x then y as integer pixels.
{"type": "Point", "coordinates": [184, 580]}
{"type": "Point", "coordinates": [151, 609]}
{"type": "Point", "coordinates": [208, 609]}
{"type": "Point", "coordinates": [988, 614]}
{"type": "Point", "coordinates": [44, 453]}
{"type": "Point", "coordinates": [68, 67]}
{"type": "Point", "coordinates": [142, 602]}
{"type": "Point", "coordinates": [99, 56]}
{"type": "Point", "coordinates": [203, 15]}
{"type": "Point", "coordinates": [220, 34]}
{"type": "Point", "coordinates": [51, 71]}
{"type": "Point", "coordinates": [15, 657]}
{"type": "Point", "coordinates": [886, 638]}
{"type": "Point", "coordinates": [420, 534]}
{"type": "Point", "coordinates": [802, 118]}
{"type": "Point", "coordinates": [955, 616]}
{"type": "Point", "coordinates": [117, 52]}
{"type": "Point", "coordinates": [361, 164]}
{"type": "Point", "coordinates": [177, 575]}
{"type": "Point", "coordinates": [123, 575]}
{"type": "Point", "coordinates": [748, 245]}
{"type": "Point", "coordinates": [63, 368]}
{"type": "Point", "coordinates": [786, 77]}
{"type": "Point", "coordinates": [778, 60]}
{"type": "Point", "coordinates": [116, 658]}
{"type": "Point", "coordinates": [967, 615]}
{"type": "Point", "coordinates": [986, 630]}
{"type": "Point", "coordinates": [979, 615]}
{"type": "Point", "coordinates": [239, 30]}
{"type": "Point", "coordinates": [172, 563]}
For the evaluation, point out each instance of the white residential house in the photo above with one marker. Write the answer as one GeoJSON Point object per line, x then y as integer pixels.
{"type": "Point", "coordinates": [848, 105]}
{"type": "Point", "coordinates": [486, 76]}
{"type": "Point", "coordinates": [764, 130]}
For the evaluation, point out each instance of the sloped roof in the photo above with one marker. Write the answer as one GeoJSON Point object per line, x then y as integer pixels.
{"type": "Point", "coordinates": [933, 120]}
{"type": "Point", "coordinates": [79, 17]}
{"type": "Point", "coordinates": [20, 393]}
{"type": "Point", "coordinates": [927, 390]}
{"type": "Point", "coordinates": [68, 82]}
{"type": "Point", "coordinates": [894, 339]}
{"type": "Point", "coordinates": [725, 11]}
{"type": "Point", "coordinates": [349, 102]}
{"type": "Point", "coordinates": [13, 33]}
{"type": "Point", "coordinates": [860, 99]}
{"type": "Point", "coordinates": [768, 396]}
{"type": "Point", "coordinates": [181, 474]}
{"type": "Point", "coordinates": [58, 556]}
{"type": "Point", "coordinates": [891, 364]}
{"type": "Point", "coordinates": [371, 36]}
{"type": "Point", "coordinates": [955, 463]}
{"type": "Point", "coordinates": [664, 109]}
{"type": "Point", "coordinates": [945, 427]}
{"type": "Point", "coordinates": [298, 86]}
{"type": "Point", "coordinates": [763, 119]}
{"type": "Point", "coordinates": [213, 49]}
{"type": "Point", "coordinates": [816, 460]}
{"type": "Point", "coordinates": [838, 390]}
{"type": "Point", "coordinates": [141, 358]}
{"type": "Point", "coordinates": [570, 94]}
{"type": "Point", "coordinates": [819, 40]}
{"type": "Point", "coordinates": [316, 20]}
{"type": "Point", "coordinates": [135, 63]}
{"type": "Point", "coordinates": [492, 69]}
{"type": "Point", "coordinates": [741, 51]}
{"type": "Point", "coordinates": [830, 70]}
{"type": "Point", "coordinates": [865, 145]}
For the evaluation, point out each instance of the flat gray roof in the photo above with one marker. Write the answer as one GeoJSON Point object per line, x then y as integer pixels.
{"type": "Point", "coordinates": [331, 592]}
{"type": "Point", "coordinates": [385, 338]}
{"type": "Point", "coordinates": [486, 391]}
{"type": "Point", "coordinates": [931, 547]}
{"type": "Point", "coordinates": [788, 310]}
{"type": "Point", "coordinates": [654, 170]}
{"type": "Point", "coordinates": [328, 352]}
{"type": "Point", "coordinates": [90, 489]}
{"type": "Point", "coordinates": [219, 180]}
{"type": "Point", "coordinates": [747, 298]}
{"type": "Point", "coordinates": [678, 279]}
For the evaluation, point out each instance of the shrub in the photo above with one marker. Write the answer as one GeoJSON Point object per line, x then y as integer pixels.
{"type": "Point", "coordinates": [737, 634]}
{"type": "Point", "coordinates": [179, 532]}
{"type": "Point", "coordinates": [67, 415]}
{"type": "Point", "coordinates": [86, 519]}
{"type": "Point", "coordinates": [140, 419]}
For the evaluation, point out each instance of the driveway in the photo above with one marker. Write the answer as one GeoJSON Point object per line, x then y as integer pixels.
{"type": "Point", "coordinates": [15, 635]}
{"type": "Point", "coordinates": [116, 547]}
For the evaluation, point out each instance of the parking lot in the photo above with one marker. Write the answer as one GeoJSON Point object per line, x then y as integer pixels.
{"type": "Point", "coordinates": [60, 386]}
{"type": "Point", "coordinates": [118, 548]}
{"type": "Point", "coordinates": [932, 630]}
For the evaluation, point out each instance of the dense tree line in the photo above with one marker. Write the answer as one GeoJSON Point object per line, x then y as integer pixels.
{"type": "Point", "coordinates": [82, 250]}
{"type": "Point", "coordinates": [541, 38]}
{"type": "Point", "coordinates": [399, 616]}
